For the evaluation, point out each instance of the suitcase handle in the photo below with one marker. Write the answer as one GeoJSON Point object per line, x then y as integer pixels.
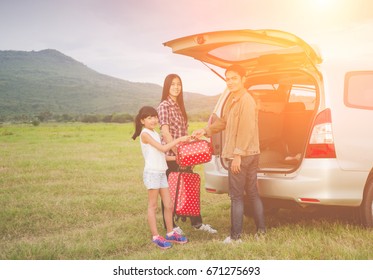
{"type": "Point", "coordinates": [192, 141]}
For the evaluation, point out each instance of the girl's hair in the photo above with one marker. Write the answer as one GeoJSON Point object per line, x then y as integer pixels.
{"type": "Point", "coordinates": [166, 91]}
{"type": "Point", "coordinates": [144, 112]}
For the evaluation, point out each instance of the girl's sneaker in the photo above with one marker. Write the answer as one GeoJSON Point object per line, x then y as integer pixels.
{"type": "Point", "coordinates": [176, 238]}
{"type": "Point", "coordinates": [162, 243]}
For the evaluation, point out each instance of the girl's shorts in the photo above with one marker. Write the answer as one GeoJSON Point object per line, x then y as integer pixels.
{"type": "Point", "coordinates": [155, 180]}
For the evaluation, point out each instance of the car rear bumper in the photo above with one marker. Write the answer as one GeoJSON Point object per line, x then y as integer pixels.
{"type": "Point", "coordinates": [317, 181]}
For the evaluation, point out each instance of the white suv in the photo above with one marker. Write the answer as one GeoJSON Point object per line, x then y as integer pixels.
{"type": "Point", "coordinates": [315, 123]}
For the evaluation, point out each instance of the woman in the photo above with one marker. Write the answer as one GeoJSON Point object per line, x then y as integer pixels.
{"type": "Point", "coordinates": [173, 121]}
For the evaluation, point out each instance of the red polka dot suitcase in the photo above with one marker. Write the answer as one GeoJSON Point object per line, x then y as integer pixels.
{"type": "Point", "coordinates": [185, 193]}
{"type": "Point", "coordinates": [193, 153]}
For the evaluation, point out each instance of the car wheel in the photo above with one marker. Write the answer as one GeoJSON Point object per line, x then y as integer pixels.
{"type": "Point", "coordinates": [367, 205]}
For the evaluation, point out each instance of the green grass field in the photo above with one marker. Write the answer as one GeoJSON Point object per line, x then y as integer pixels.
{"type": "Point", "coordinates": [74, 191]}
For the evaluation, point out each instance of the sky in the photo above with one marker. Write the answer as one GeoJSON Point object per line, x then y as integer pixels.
{"type": "Point", "coordinates": [123, 38]}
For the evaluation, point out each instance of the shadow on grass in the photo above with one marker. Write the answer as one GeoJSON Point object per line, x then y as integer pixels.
{"type": "Point", "coordinates": [320, 214]}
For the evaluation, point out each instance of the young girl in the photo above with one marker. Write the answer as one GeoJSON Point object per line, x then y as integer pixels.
{"type": "Point", "coordinates": [154, 175]}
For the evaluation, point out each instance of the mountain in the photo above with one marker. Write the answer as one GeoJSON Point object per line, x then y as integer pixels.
{"type": "Point", "coordinates": [47, 80]}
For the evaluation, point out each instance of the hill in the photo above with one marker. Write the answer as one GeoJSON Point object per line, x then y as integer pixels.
{"type": "Point", "coordinates": [47, 80]}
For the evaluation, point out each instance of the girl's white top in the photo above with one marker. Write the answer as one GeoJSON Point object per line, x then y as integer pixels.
{"type": "Point", "coordinates": [155, 160]}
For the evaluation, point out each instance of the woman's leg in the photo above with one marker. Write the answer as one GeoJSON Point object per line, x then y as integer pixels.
{"type": "Point", "coordinates": [196, 221]}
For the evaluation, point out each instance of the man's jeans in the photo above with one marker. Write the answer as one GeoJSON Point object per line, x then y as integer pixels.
{"type": "Point", "coordinates": [239, 184]}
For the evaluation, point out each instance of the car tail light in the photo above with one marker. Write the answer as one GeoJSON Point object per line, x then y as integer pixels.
{"type": "Point", "coordinates": [309, 200]}
{"type": "Point", "coordinates": [321, 144]}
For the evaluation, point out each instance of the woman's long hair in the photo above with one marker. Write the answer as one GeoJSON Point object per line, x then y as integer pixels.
{"type": "Point", "coordinates": [166, 92]}
{"type": "Point", "coordinates": [144, 112]}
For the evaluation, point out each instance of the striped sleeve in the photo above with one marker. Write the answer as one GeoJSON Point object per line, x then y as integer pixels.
{"type": "Point", "coordinates": [163, 114]}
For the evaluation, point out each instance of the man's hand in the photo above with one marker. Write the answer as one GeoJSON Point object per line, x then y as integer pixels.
{"type": "Point", "coordinates": [236, 164]}
{"type": "Point", "coordinates": [198, 133]}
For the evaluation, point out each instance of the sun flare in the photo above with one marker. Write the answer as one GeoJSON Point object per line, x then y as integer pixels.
{"type": "Point", "coordinates": [325, 4]}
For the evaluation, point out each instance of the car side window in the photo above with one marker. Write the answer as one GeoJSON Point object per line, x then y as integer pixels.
{"type": "Point", "coordinates": [358, 90]}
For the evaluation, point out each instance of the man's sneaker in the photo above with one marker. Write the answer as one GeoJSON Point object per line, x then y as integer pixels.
{"type": "Point", "coordinates": [229, 240]}
{"type": "Point", "coordinates": [176, 238]}
{"type": "Point", "coordinates": [162, 243]}
{"type": "Point", "coordinates": [178, 230]}
{"type": "Point", "coordinates": [260, 235]}
{"type": "Point", "coordinates": [207, 228]}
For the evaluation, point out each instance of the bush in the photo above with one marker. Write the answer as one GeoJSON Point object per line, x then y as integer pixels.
{"type": "Point", "coordinates": [35, 122]}
{"type": "Point", "coordinates": [121, 118]}
{"type": "Point", "coordinates": [89, 119]}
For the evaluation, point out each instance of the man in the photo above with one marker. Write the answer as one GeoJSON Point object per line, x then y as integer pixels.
{"type": "Point", "coordinates": [241, 150]}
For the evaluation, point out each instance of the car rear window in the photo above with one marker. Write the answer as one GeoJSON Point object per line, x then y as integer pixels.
{"type": "Point", "coordinates": [247, 50]}
{"type": "Point", "coordinates": [303, 94]}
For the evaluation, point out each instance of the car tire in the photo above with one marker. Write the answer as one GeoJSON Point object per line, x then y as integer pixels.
{"type": "Point", "coordinates": [367, 205]}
